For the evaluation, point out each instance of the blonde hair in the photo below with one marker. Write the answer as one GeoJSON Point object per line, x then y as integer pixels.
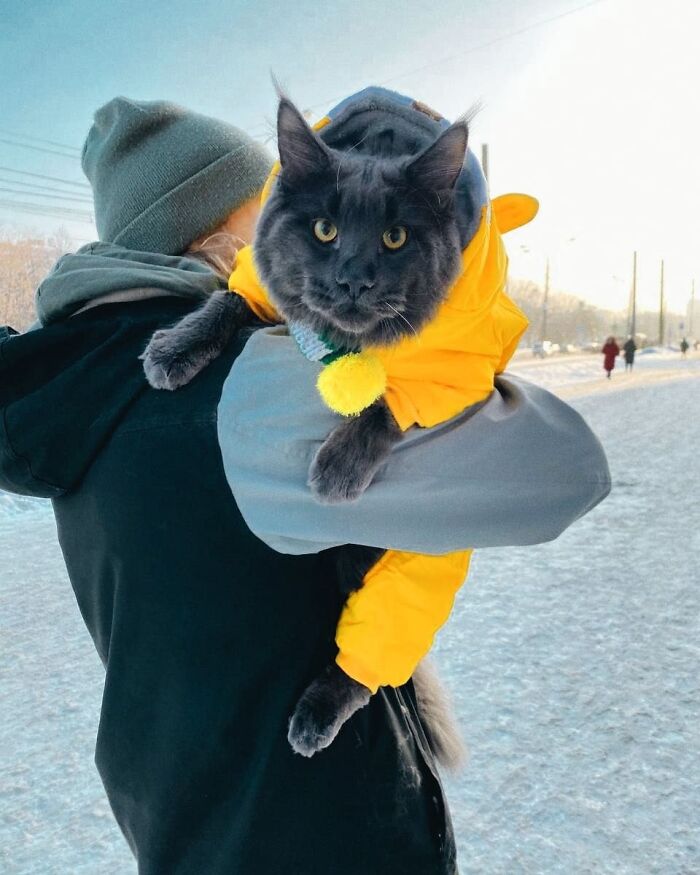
{"type": "Point", "coordinates": [218, 251]}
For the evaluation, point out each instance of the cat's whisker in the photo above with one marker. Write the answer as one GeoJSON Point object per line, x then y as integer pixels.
{"type": "Point", "coordinates": [398, 313]}
{"type": "Point", "coordinates": [392, 328]}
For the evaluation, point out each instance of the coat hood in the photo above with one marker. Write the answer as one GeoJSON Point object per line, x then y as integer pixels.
{"type": "Point", "coordinates": [64, 389]}
{"type": "Point", "coordinates": [65, 386]}
{"type": "Point", "coordinates": [101, 269]}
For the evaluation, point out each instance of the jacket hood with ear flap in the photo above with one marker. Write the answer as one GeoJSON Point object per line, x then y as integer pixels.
{"type": "Point", "coordinates": [451, 364]}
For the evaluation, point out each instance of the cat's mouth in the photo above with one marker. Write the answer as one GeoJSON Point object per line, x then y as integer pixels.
{"type": "Point", "coordinates": [349, 318]}
{"type": "Point", "coordinates": [353, 322]}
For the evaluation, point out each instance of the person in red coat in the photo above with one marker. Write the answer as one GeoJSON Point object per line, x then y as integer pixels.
{"type": "Point", "coordinates": [611, 351]}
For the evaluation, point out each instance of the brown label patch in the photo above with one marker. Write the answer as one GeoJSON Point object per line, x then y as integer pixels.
{"type": "Point", "coordinates": [426, 110]}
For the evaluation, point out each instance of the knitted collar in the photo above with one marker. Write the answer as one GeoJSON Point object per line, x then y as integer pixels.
{"type": "Point", "coordinates": [315, 347]}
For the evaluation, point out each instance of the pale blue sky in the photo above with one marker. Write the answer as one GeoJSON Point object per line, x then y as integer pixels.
{"type": "Point", "coordinates": [59, 61]}
{"type": "Point", "coordinates": [594, 112]}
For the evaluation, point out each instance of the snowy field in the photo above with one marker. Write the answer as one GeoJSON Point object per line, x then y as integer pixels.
{"type": "Point", "coordinates": [574, 667]}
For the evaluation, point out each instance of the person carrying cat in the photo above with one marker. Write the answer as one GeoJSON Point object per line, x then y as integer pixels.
{"type": "Point", "coordinates": [380, 248]}
{"type": "Point", "coordinates": [183, 603]}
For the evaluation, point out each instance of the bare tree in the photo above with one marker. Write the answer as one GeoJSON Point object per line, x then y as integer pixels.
{"type": "Point", "coordinates": [25, 259]}
{"type": "Point", "coordinates": [571, 319]}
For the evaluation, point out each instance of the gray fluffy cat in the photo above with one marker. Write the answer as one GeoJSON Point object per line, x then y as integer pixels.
{"type": "Point", "coordinates": [360, 242]}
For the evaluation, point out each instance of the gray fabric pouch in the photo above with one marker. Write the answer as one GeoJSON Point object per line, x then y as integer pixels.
{"type": "Point", "coordinates": [517, 469]}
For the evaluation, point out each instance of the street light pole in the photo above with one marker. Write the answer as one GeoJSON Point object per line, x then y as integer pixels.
{"type": "Point", "coordinates": [661, 306]}
{"type": "Point", "coordinates": [633, 299]}
{"type": "Point", "coordinates": [545, 302]}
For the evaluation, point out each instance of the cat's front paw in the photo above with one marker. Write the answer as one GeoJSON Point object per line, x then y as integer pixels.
{"type": "Point", "coordinates": [322, 710]}
{"type": "Point", "coordinates": [168, 363]}
{"type": "Point", "coordinates": [338, 475]}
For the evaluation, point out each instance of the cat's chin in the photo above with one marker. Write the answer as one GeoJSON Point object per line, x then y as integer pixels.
{"type": "Point", "coordinates": [356, 326]}
{"type": "Point", "coordinates": [352, 323]}
{"type": "Point", "coordinates": [377, 330]}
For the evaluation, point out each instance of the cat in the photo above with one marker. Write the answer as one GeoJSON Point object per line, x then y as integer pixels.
{"type": "Point", "coordinates": [359, 241]}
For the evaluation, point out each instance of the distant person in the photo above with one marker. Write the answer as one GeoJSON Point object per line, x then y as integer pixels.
{"type": "Point", "coordinates": [685, 346]}
{"type": "Point", "coordinates": [611, 351]}
{"type": "Point", "coordinates": [630, 348]}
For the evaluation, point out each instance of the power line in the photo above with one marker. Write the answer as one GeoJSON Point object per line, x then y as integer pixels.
{"type": "Point", "coordinates": [42, 176]}
{"type": "Point", "coordinates": [53, 215]}
{"type": "Point", "coordinates": [80, 200]}
{"type": "Point", "coordinates": [265, 124]}
{"type": "Point", "coordinates": [49, 210]}
{"type": "Point", "coordinates": [469, 50]}
{"type": "Point", "coordinates": [40, 149]}
{"type": "Point", "coordinates": [39, 140]}
{"type": "Point", "coordinates": [493, 42]}
{"type": "Point", "coordinates": [69, 195]}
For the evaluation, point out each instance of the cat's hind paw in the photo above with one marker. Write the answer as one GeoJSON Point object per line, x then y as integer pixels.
{"type": "Point", "coordinates": [323, 709]}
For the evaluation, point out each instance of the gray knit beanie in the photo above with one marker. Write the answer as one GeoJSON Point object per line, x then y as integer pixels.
{"type": "Point", "coordinates": [163, 176]}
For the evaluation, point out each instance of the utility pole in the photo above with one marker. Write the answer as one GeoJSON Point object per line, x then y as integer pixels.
{"type": "Point", "coordinates": [692, 310]}
{"type": "Point", "coordinates": [545, 302]}
{"type": "Point", "coordinates": [633, 299]}
{"type": "Point", "coordinates": [661, 306]}
{"type": "Point", "coordinates": [485, 160]}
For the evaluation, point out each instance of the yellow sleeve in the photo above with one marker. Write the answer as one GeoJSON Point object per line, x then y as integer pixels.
{"type": "Point", "coordinates": [244, 281]}
{"type": "Point", "coordinates": [451, 364]}
{"type": "Point", "coordinates": [388, 625]}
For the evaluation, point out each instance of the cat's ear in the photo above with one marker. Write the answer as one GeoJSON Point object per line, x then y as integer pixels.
{"type": "Point", "coordinates": [437, 168]}
{"type": "Point", "coordinates": [302, 153]}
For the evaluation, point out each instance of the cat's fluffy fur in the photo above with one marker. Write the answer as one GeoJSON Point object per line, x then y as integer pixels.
{"type": "Point", "coordinates": [438, 717]}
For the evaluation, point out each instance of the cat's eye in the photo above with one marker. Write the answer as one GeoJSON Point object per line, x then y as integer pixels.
{"type": "Point", "coordinates": [394, 238]}
{"type": "Point", "coordinates": [325, 230]}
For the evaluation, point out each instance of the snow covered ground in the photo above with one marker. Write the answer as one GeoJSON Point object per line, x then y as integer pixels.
{"type": "Point", "coordinates": [577, 375]}
{"type": "Point", "coordinates": [574, 666]}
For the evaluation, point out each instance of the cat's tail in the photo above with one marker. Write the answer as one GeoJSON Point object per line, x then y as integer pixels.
{"type": "Point", "coordinates": [438, 718]}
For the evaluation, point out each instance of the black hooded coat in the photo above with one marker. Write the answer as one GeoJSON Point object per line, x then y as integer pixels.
{"type": "Point", "coordinates": [208, 637]}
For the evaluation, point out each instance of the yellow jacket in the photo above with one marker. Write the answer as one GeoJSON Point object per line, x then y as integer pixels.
{"type": "Point", "coordinates": [389, 624]}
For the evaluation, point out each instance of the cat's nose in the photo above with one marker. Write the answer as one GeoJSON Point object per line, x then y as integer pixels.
{"type": "Point", "coordinates": [354, 289]}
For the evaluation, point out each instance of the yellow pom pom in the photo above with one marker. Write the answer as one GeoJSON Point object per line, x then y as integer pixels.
{"type": "Point", "coordinates": [352, 382]}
